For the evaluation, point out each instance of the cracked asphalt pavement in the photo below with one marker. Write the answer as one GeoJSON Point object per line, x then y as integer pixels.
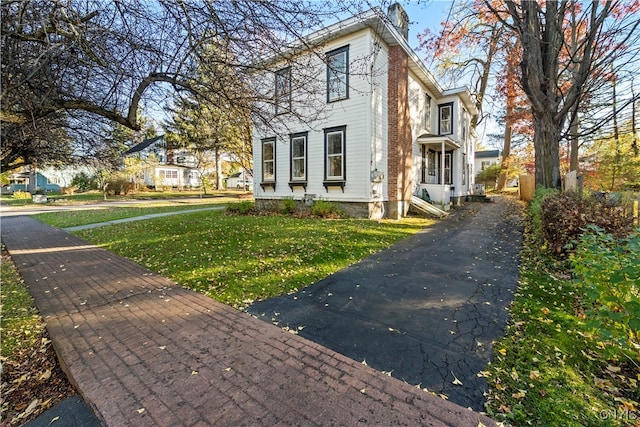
{"type": "Point", "coordinates": [425, 310]}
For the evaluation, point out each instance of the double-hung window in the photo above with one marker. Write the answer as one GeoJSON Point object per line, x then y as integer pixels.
{"type": "Point", "coordinates": [268, 160]}
{"type": "Point", "coordinates": [283, 90]}
{"type": "Point", "coordinates": [445, 122]}
{"type": "Point", "coordinates": [335, 165]}
{"type": "Point", "coordinates": [299, 157]}
{"type": "Point", "coordinates": [426, 117]}
{"type": "Point", "coordinates": [338, 74]}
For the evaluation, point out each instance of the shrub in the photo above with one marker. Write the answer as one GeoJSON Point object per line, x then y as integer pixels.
{"type": "Point", "coordinates": [326, 209]}
{"type": "Point", "coordinates": [288, 206]}
{"type": "Point", "coordinates": [562, 220]}
{"type": "Point", "coordinates": [535, 210]}
{"type": "Point", "coordinates": [565, 215]}
{"type": "Point", "coordinates": [246, 207]}
{"type": "Point", "coordinates": [119, 185]}
{"type": "Point", "coordinates": [607, 271]}
{"type": "Point", "coordinates": [21, 194]}
{"type": "Point", "coordinates": [489, 176]}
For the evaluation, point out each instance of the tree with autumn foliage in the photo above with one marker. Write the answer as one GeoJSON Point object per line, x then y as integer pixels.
{"type": "Point", "coordinates": [559, 65]}
{"type": "Point", "coordinates": [474, 44]}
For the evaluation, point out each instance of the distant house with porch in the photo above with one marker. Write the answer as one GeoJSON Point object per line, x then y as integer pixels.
{"type": "Point", "coordinates": [30, 181]}
{"type": "Point", "coordinates": [386, 136]}
{"type": "Point", "coordinates": [164, 166]}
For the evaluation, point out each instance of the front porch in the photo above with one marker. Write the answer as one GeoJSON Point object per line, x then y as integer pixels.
{"type": "Point", "coordinates": [438, 195]}
{"type": "Point", "coordinates": [437, 174]}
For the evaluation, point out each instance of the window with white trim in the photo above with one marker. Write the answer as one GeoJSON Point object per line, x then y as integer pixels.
{"type": "Point", "coordinates": [268, 160]}
{"type": "Point", "coordinates": [283, 90]}
{"type": "Point", "coordinates": [299, 157]}
{"type": "Point", "coordinates": [335, 153]}
{"type": "Point", "coordinates": [445, 122]}
{"type": "Point", "coordinates": [426, 116]}
{"type": "Point", "coordinates": [338, 74]}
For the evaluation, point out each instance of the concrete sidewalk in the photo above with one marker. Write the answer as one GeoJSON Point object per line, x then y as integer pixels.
{"type": "Point", "coordinates": [143, 351]}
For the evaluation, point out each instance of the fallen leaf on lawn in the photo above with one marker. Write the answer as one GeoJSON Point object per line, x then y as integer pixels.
{"type": "Point", "coordinates": [503, 351]}
{"type": "Point", "coordinates": [520, 394]}
{"type": "Point", "coordinates": [515, 375]}
{"type": "Point", "coordinates": [534, 375]}
{"type": "Point", "coordinates": [545, 311]}
{"type": "Point", "coordinates": [455, 381]}
{"type": "Point", "coordinates": [614, 369]}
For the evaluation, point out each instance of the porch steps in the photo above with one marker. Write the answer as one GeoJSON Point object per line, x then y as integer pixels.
{"type": "Point", "coordinates": [426, 207]}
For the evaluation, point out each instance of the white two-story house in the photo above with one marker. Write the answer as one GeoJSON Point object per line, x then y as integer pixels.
{"type": "Point", "coordinates": [385, 131]}
{"type": "Point", "coordinates": [164, 166]}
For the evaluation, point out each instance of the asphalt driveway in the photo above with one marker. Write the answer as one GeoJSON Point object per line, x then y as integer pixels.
{"type": "Point", "coordinates": [426, 310]}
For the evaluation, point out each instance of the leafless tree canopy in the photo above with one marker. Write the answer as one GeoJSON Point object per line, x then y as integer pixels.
{"type": "Point", "coordinates": [107, 58]}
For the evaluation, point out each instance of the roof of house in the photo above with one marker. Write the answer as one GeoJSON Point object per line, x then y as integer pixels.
{"type": "Point", "coordinates": [144, 144]}
{"type": "Point", "coordinates": [487, 154]}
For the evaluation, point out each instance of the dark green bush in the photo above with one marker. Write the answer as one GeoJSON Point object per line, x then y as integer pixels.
{"type": "Point", "coordinates": [84, 182]}
{"type": "Point", "coordinates": [607, 270]}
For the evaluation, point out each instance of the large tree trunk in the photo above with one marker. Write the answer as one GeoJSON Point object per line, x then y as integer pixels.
{"type": "Point", "coordinates": [547, 150]}
{"type": "Point", "coordinates": [506, 153]}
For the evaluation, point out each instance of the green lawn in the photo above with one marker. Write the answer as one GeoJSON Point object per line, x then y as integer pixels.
{"type": "Point", "coordinates": [551, 369]}
{"type": "Point", "coordinates": [239, 259]}
{"type": "Point", "coordinates": [96, 196]}
{"type": "Point", "coordinates": [20, 323]}
{"type": "Point", "coordinates": [65, 219]}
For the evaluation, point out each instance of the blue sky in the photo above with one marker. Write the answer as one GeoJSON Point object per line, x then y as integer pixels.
{"type": "Point", "coordinates": [425, 14]}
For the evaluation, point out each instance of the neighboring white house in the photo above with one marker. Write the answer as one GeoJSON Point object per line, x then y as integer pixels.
{"type": "Point", "coordinates": [240, 180]}
{"type": "Point", "coordinates": [165, 167]}
{"type": "Point", "coordinates": [388, 131]}
{"type": "Point", "coordinates": [484, 159]}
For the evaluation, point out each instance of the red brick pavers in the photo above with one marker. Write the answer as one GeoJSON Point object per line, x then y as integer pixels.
{"type": "Point", "coordinates": [144, 351]}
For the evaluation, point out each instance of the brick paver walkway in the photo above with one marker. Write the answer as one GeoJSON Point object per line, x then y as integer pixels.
{"type": "Point", "coordinates": [143, 351]}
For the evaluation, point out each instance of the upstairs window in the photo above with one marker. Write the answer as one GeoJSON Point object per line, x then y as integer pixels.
{"type": "Point", "coordinates": [445, 119]}
{"type": "Point", "coordinates": [426, 116]}
{"type": "Point", "coordinates": [299, 157]}
{"type": "Point", "coordinates": [283, 90]}
{"type": "Point", "coordinates": [338, 74]}
{"type": "Point", "coordinates": [268, 160]}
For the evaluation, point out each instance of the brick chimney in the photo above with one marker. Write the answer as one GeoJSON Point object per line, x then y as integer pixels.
{"type": "Point", "coordinates": [399, 19]}
{"type": "Point", "coordinates": [400, 155]}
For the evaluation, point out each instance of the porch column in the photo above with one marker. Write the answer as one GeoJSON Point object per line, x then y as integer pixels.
{"type": "Point", "coordinates": [442, 173]}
